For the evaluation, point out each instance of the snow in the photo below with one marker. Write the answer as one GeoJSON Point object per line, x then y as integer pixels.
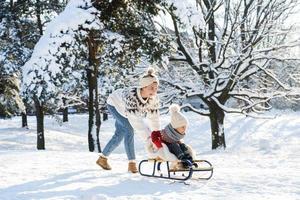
{"type": "Point", "coordinates": [43, 63]}
{"type": "Point", "coordinates": [261, 161]}
{"type": "Point", "coordinates": [187, 11]}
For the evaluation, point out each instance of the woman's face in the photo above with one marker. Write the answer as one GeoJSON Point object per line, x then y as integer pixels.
{"type": "Point", "coordinates": [181, 130]}
{"type": "Point", "coordinates": [150, 90]}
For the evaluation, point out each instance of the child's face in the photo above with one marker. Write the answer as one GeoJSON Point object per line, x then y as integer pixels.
{"type": "Point", "coordinates": [181, 130]}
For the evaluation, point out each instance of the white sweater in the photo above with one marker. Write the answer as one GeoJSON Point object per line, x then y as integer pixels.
{"type": "Point", "coordinates": [130, 104]}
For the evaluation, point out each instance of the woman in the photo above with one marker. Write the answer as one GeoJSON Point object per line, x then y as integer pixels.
{"type": "Point", "coordinates": [129, 106]}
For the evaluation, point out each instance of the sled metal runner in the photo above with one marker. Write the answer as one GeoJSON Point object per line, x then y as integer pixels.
{"type": "Point", "coordinates": [184, 173]}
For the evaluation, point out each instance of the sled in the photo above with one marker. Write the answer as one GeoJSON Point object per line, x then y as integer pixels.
{"type": "Point", "coordinates": [203, 170]}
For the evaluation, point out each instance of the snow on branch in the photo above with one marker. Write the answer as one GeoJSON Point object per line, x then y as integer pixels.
{"type": "Point", "coordinates": [204, 112]}
{"type": "Point", "coordinates": [225, 108]}
{"type": "Point", "coordinates": [278, 47]}
{"type": "Point", "coordinates": [270, 74]}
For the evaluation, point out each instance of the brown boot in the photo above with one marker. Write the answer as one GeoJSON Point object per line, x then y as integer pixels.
{"type": "Point", "coordinates": [102, 162]}
{"type": "Point", "coordinates": [132, 167]}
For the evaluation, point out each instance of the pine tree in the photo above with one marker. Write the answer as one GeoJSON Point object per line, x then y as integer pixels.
{"type": "Point", "coordinates": [20, 28]}
{"type": "Point", "coordinates": [14, 51]}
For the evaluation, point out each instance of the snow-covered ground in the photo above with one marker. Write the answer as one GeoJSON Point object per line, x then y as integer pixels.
{"type": "Point", "coordinates": [262, 161]}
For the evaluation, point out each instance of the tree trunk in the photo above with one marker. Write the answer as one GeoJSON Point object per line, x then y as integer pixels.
{"type": "Point", "coordinates": [65, 112]}
{"type": "Point", "coordinates": [93, 104]}
{"type": "Point", "coordinates": [38, 16]}
{"type": "Point", "coordinates": [97, 110]}
{"type": "Point", "coordinates": [98, 116]}
{"type": "Point", "coordinates": [40, 124]}
{"type": "Point", "coordinates": [65, 115]}
{"type": "Point", "coordinates": [216, 117]}
{"type": "Point", "coordinates": [91, 110]}
{"type": "Point", "coordinates": [24, 120]}
{"type": "Point", "coordinates": [211, 30]}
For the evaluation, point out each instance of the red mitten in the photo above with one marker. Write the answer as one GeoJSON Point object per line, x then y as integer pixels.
{"type": "Point", "coordinates": [156, 138]}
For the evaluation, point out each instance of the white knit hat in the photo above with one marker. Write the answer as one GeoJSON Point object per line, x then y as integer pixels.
{"type": "Point", "coordinates": [177, 118]}
{"type": "Point", "coordinates": [148, 78]}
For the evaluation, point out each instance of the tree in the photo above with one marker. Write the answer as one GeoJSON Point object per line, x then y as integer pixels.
{"type": "Point", "coordinates": [231, 52]}
{"type": "Point", "coordinates": [39, 10]}
{"type": "Point", "coordinates": [14, 51]}
{"type": "Point", "coordinates": [19, 31]}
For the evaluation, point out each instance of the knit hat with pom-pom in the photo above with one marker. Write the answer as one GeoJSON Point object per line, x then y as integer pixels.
{"type": "Point", "coordinates": [148, 78]}
{"type": "Point", "coordinates": [177, 118]}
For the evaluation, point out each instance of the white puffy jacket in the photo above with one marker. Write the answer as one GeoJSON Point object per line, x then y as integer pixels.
{"type": "Point", "coordinates": [130, 104]}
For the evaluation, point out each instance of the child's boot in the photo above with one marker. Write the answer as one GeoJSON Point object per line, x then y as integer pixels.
{"type": "Point", "coordinates": [132, 167]}
{"type": "Point", "coordinates": [102, 162]}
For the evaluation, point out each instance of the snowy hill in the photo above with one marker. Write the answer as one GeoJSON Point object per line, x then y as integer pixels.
{"type": "Point", "coordinates": [262, 161]}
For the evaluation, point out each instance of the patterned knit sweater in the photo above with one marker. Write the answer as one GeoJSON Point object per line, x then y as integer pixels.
{"type": "Point", "coordinates": [130, 104]}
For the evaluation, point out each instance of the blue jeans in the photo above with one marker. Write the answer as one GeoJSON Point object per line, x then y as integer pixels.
{"type": "Point", "coordinates": [123, 130]}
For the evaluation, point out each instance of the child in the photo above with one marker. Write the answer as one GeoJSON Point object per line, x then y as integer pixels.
{"type": "Point", "coordinates": [172, 136]}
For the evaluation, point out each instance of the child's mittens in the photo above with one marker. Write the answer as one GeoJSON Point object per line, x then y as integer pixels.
{"type": "Point", "coordinates": [156, 139]}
